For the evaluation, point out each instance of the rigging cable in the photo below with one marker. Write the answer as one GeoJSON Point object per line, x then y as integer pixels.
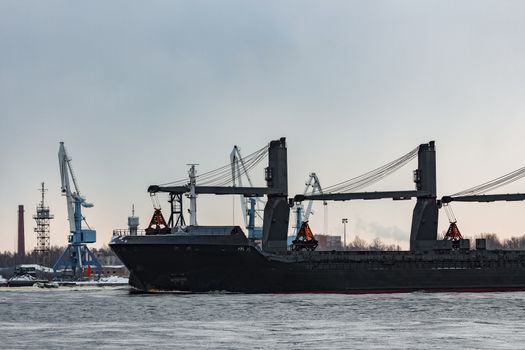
{"type": "Point", "coordinates": [222, 176]}
{"type": "Point", "coordinates": [372, 176]}
{"type": "Point", "coordinates": [493, 184]}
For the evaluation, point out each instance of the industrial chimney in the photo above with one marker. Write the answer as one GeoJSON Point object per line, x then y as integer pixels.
{"type": "Point", "coordinates": [21, 238]}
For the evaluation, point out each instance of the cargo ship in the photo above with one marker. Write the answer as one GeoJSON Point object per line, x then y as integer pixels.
{"type": "Point", "coordinates": [197, 258]}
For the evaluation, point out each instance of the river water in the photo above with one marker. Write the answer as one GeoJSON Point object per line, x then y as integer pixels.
{"type": "Point", "coordinates": [112, 318]}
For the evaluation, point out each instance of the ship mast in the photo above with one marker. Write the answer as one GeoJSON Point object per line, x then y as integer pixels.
{"type": "Point", "coordinates": [192, 195]}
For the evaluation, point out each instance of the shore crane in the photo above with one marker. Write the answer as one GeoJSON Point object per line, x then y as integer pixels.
{"type": "Point", "coordinates": [77, 255]}
{"type": "Point", "coordinates": [313, 186]}
{"type": "Point", "coordinates": [248, 204]}
{"type": "Point", "coordinates": [304, 237]}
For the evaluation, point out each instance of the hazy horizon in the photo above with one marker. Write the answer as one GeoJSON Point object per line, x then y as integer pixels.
{"type": "Point", "coordinates": [137, 91]}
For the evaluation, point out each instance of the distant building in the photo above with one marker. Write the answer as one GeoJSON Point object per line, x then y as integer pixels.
{"type": "Point", "coordinates": [115, 270]}
{"type": "Point", "coordinates": [107, 259]}
{"type": "Point", "coordinates": [328, 242]}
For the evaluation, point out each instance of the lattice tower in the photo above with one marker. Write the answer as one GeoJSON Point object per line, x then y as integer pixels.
{"type": "Point", "coordinates": [42, 218]}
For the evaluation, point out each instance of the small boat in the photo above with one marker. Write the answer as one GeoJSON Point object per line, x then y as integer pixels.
{"type": "Point", "coordinates": [25, 280]}
{"type": "Point", "coordinates": [27, 276]}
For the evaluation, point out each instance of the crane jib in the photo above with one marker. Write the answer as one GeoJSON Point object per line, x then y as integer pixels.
{"type": "Point", "coordinates": [510, 197]}
{"type": "Point", "coordinates": [363, 195]}
{"type": "Point", "coordinates": [246, 191]}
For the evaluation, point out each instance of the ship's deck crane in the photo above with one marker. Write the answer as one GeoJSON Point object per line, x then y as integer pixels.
{"type": "Point", "coordinates": [277, 209]}
{"type": "Point", "coordinates": [453, 233]}
{"type": "Point", "coordinates": [212, 182]}
{"type": "Point", "coordinates": [157, 224]}
{"type": "Point", "coordinates": [305, 239]}
{"type": "Point", "coordinates": [77, 255]}
{"type": "Point", "coordinates": [425, 214]}
{"type": "Point", "coordinates": [476, 194]}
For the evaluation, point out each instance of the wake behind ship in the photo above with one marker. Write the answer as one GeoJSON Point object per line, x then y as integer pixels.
{"type": "Point", "coordinates": [221, 258]}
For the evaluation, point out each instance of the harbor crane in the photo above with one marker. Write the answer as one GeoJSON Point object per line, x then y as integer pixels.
{"type": "Point", "coordinates": [313, 186]}
{"type": "Point", "coordinates": [77, 256]}
{"type": "Point", "coordinates": [249, 205]}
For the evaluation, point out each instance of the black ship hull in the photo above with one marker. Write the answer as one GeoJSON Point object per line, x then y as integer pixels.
{"type": "Point", "coordinates": [233, 264]}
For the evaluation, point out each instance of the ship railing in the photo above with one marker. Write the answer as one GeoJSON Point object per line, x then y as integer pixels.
{"type": "Point", "coordinates": [127, 232]}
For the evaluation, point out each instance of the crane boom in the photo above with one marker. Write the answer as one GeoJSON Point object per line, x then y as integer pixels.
{"type": "Point", "coordinates": [396, 195]}
{"type": "Point", "coordinates": [63, 161]}
{"type": "Point", "coordinates": [245, 191]}
{"type": "Point", "coordinates": [235, 159]}
{"type": "Point", "coordinates": [314, 183]}
{"type": "Point", "coordinates": [313, 186]}
{"type": "Point", "coordinates": [510, 197]}
{"type": "Point", "coordinates": [66, 171]}
{"type": "Point", "coordinates": [239, 168]}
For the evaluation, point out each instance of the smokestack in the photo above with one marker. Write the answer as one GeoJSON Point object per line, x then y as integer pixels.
{"type": "Point", "coordinates": [21, 239]}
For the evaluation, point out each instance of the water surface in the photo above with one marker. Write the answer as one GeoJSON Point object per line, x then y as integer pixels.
{"type": "Point", "coordinates": [112, 318]}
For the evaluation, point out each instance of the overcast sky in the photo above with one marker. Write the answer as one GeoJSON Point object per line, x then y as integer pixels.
{"type": "Point", "coordinates": [138, 90]}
